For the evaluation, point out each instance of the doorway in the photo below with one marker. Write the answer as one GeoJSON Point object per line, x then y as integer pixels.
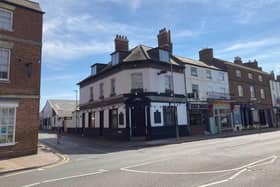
{"type": "Point", "coordinates": [101, 123]}
{"type": "Point", "coordinates": [138, 120]}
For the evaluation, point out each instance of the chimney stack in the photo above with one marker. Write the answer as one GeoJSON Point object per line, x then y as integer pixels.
{"type": "Point", "coordinates": [121, 43]}
{"type": "Point", "coordinates": [238, 60]}
{"type": "Point", "coordinates": [206, 55]}
{"type": "Point", "coordinates": [164, 40]}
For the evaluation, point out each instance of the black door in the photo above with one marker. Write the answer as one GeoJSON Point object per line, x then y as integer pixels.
{"type": "Point", "coordinates": [89, 120]}
{"type": "Point", "coordinates": [101, 122]}
{"type": "Point", "coordinates": [83, 121]}
{"type": "Point", "coordinates": [138, 121]}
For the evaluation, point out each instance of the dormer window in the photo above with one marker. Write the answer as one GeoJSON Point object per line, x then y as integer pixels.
{"type": "Point", "coordinates": [93, 70]}
{"type": "Point", "coordinates": [6, 19]}
{"type": "Point", "coordinates": [163, 56]}
{"type": "Point", "coordinates": [115, 58]}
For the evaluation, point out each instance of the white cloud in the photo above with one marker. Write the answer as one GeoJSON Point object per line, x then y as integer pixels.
{"type": "Point", "coordinates": [241, 45]}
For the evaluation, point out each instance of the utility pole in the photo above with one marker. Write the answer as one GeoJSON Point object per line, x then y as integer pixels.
{"type": "Point", "coordinates": [173, 96]}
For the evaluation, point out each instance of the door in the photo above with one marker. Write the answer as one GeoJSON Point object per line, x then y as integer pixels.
{"type": "Point", "coordinates": [83, 122]}
{"type": "Point", "coordinates": [138, 120]}
{"type": "Point", "coordinates": [101, 123]}
{"type": "Point", "coordinates": [89, 120]}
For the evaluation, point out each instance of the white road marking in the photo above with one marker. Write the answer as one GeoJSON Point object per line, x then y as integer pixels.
{"type": "Point", "coordinates": [237, 174]}
{"type": "Point", "coordinates": [18, 173]}
{"type": "Point", "coordinates": [214, 183]}
{"type": "Point", "coordinates": [271, 159]}
{"type": "Point", "coordinates": [67, 178]}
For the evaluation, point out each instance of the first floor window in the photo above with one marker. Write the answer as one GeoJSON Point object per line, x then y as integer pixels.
{"type": "Point", "coordinates": [169, 115]}
{"type": "Point", "coordinates": [262, 94]}
{"type": "Point", "coordinates": [195, 91]}
{"type": "Point", "coordinates": [194, 71]}
{"type": "Point", "coordinates": [7, 125]}
{"type": "Point", "coordinates": [6, 19]}
{"type": "Point", "coordinates": [137, 81]}
{"type": "Point", "coordinates": [252, 92]}
{"type": "Point", "coordinates": [240, 91]}
{"type": "Point", "coordinates": [167, 83]}
{"type": "Point", "coordinates": [4, 63]}
{"type": "Point", "coordinates": [113, 115]}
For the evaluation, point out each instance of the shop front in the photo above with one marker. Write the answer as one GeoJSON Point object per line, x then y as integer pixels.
{"type": "Point", "coordinates": [199, 119]}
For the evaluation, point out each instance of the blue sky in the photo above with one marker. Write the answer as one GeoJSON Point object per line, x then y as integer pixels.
{"type": "Point", "coordinates": [80, 33]}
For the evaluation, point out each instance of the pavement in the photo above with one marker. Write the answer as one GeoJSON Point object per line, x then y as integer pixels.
{"type": "Point", "coordinates": [248, 160]}
{"type": "Point", "coordinates": [45, 157]}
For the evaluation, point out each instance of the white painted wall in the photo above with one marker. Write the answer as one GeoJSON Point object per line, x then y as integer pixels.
{"type": "Point", "coordinates": [205, 85]}
{"type": "Point", "coordinates": [181, 113]}
{"type": "Point", "coordinates": [275, 92]}
{"type": "Point", "coordinates": [151, 83]}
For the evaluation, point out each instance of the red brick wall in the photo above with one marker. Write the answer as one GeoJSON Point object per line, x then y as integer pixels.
{"type": "Point", "coordinates": [26, 37]}
{"type": "Point", "coordinates": [27, 119]}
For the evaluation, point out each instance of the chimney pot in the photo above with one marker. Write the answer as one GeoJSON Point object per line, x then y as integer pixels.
{"type": "Point", "coordinates": [164, 40]}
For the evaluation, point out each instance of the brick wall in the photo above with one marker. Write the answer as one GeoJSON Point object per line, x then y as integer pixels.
{"type": "Point", "coordinates": [27, 119]}
{"type": "Point", "coordinates": [26, 38]}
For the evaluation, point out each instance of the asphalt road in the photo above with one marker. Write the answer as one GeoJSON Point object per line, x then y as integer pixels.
{"type": "Point", "coordinates": [252, 160]}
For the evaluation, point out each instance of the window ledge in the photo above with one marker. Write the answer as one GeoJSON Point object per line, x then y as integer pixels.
{"type": "Point", "coordinates": [7, 30]}
{"type": "Point", "coordinates": [7, 144]}
{"type": "Point", "coordinates": [3, 81]}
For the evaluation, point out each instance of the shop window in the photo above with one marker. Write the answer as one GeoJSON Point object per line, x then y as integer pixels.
{"type": "Point", "coordinates": [7, 126]}
{"type": "Point", "coordinates": [121, 118]}
{"type": "Point", "coordinates": [113, 118]}
{"type": "Point", "coordinates": [169, 115]}
{"type": "Point", "coordinates": [157, 117]}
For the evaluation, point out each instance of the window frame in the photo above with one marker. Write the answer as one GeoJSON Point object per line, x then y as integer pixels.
{"type": "Point", "coordinates": [208, 74]}
{"type": "Point", "coordinates": [113, 87]}
{"type": "Point", "coordinates": [133, 87]}
{"type": "Point", "coordinates": [262, 93]}
{"type": "Point", "coordinates": [9, 64]}
{"type": "Point", "coordinates": [111, 125]}
{"type": "Point", "coordinates": [238, 73]}
{"type": "Point", "coordinates": [240, 89]}
{"type": "Point", "coordinates": [195, 96]}
{"type": "Point", "coordinates": [250, 76]}
{"type": "Point", "coordinates": [194, 73]}
{"type": "Point", "coordinates": [252, 88]}
{"type": "Point", "coordinates": [14, 126]}
{"type": "Point", "coordinates": [101, 90]}
{"type": "Point", "coordinates": [260, 78]}
{"type": "Point", "coordinates": [11, 21]}
{"type": "Point", "coordinates": [221, 76]}
{"type": "Point", "coordinates": [91, 93]}
{"type": "Point", "coordinates": [172, 110]}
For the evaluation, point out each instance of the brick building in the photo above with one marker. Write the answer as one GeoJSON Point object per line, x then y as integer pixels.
{"type": "Point", "coordinates": [20, 71]}
{"type": "Point", "coordinates": [249, 88]}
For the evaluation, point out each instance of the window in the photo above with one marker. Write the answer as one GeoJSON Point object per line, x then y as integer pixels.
{"type": "Point", "coordinates": [208, 74]}
{"type": "Point", "coordinates": [113, 87]}
{"type": "Point", "coordinates": [240, 91]}
{"type": "Point", "coordinates": [194, 71]}
{"type": "Point", "coordinates": [238, 73]}
{"type": "Point", "coordinates": [252, 92]}
{"type": "Point", "coordinates": [6, 19]}
{"type": "Point", "coordinates": [195, 91]}
{"type": "Point", "coordinates": [113, 118]}
{"type": "Point", "coordinates": [250, 75]}
{"type": "Point", "coordinates": [169, 113]}
{"type": "Point", "coordinates": [121, 118]}
{"type": "Point", "coordinates": [167, 83]}
{"type": "Point", "coordinates": [137, 81]}
{"type": "Point", "coordinates": [221, 76]}
{"type": "Point", "coordinates": [115, 59]}
{"type": "Point", "coordinates": [262, 93]}
{"type": "Point", "coordinates": [157, 117]}
{"type": "Point", "coordinates": [260, 78]}
{"type": "Point", "coordinates": [91, 93]}
{"type": "Point", "coordinates": [7, 126]}
{"type": "Point", "coordinates": [101, 90]}
{"type": "Point", "coordinates": [4, 63]}
{"type": "Point", "coordinates": [93, 70]}
{"type": "Point", "coordinates": [163, 56]}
